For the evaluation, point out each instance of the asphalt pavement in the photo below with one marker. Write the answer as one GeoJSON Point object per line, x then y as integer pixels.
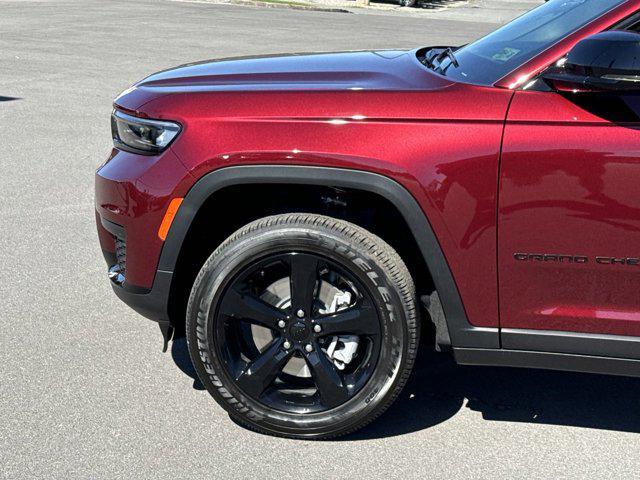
{"type": "Point", "coordinates": [85, 391]}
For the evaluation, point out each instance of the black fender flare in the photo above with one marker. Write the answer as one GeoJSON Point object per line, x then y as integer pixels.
{"type": "Point", "coordinates": [461, 332]}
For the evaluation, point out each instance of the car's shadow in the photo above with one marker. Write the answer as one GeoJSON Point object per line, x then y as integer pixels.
{"type": "Point", "coordinates": [439, 388]}
{"type": "Point", "coordinates": [180, 355]}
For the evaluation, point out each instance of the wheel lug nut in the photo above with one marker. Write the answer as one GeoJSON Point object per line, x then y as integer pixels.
{"type": "Point", "coordinates": [317, 328]}
{"type": "Point", "coordinates": [282, 324]}
{"type": "Point", "coordinates": [309, 348]}
{"type": "Point", "coordinates": [300, 313]}
{"type": "Point", "coordinates": [287, 344]}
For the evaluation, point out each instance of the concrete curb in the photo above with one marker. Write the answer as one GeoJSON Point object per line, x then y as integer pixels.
{"type": "Point", "coordinates": [313, 8]}
{"type": "Point", "coordinates": [258, 3]}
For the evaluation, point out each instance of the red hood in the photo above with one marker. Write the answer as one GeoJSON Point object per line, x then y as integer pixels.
{"type": "Point", "coordinates": [387, 70]}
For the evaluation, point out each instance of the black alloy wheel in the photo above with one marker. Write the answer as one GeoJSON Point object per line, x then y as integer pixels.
{"type": "Point", "coordinates": [304, 329]}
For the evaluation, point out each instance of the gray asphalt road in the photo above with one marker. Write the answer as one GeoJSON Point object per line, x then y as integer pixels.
{"type": "Point", "coordinates": [85, 391]}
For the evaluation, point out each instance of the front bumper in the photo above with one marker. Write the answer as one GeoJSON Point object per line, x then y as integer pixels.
{"type": "Point", "coordinates": [132, 195]}
{"type": "Point", "coordinates": [150, 303]}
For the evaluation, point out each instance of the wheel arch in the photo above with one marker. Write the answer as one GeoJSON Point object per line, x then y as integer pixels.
{"type": "Point", "coordinates": [461, 332]}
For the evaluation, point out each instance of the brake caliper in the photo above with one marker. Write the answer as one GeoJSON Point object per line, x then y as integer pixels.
{"type": "Point", "coordinates": [342, 348]}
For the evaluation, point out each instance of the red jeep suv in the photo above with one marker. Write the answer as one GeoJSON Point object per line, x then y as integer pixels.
{"type": "Point", "coordinates": [301, 218]}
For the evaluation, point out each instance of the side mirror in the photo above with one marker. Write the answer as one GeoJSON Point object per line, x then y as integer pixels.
{"type": "Point", "coordinates": [603, 62]}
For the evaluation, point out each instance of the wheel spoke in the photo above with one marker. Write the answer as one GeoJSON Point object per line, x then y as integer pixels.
{"type": "Point", "coordinates": [303, 280]}
{"type": "Point", "coordinates": [261, 373]}
{"type": "Point", "coordinates": [251, 309]}
{"type": "Point", "coordinates": [332, 389]}
{"type": "Point", "coordinates": [361, 319]}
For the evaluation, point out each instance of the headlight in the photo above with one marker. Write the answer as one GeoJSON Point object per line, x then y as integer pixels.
{"type": "Point", "coordinates": [140, 135]}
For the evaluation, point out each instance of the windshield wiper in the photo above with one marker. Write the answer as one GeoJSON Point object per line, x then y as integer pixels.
{"type": "Point", "coordinates": [450, 54]}
{"type": "Point", "coordinates": [434, 57]}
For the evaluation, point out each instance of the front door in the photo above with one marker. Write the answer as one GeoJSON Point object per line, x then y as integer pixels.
{"type": "Point", "coordinates": [569, 215]}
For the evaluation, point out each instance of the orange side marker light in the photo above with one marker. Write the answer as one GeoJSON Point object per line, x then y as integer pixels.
{"type": "Point", "coordinates": [174, 205]}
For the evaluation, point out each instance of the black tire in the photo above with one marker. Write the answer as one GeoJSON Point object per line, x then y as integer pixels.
{"type": "Point", "coordinates": [371, 262]}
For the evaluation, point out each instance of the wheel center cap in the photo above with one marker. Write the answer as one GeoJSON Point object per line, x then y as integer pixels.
{"type": "Point", "coordinates": [299, 331]}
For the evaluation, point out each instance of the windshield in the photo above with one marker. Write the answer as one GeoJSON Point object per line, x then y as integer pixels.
{"type": "Point", "coordinates": [489, 59]}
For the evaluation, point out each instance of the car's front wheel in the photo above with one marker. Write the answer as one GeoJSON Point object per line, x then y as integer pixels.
{"type": "Point", "coordinates": [303, 325]}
